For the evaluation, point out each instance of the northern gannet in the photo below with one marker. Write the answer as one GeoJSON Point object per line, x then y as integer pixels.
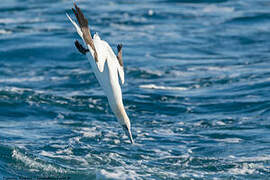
{"type": "Point", "coordinates": [106, 66]}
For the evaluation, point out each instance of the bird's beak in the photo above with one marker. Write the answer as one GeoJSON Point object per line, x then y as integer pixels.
{"type": "Point", "coordinates": [128, 133]}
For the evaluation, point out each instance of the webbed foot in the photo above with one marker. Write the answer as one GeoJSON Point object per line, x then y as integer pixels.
{"type": "Point", "coordinates": [80, 48]}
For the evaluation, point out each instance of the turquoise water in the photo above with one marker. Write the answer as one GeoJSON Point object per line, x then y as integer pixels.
{"type": "Point", "coordinates": [197, 91]}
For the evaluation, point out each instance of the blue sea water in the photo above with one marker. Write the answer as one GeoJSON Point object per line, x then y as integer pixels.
{"type": "Point", "coordinates": [197, 91]}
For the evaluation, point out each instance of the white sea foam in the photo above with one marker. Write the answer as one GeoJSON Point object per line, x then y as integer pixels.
{"type": "Point", "coordinates": [246, 168]}
{"type": "Point", "coordinates": [117, 173]}
{"type": "Point", "coordinates": [15, 89]}
{"type": "Point", "coordinates": [59, 78]}
{"type": "Point", "coordinates": [18, 20]}
{"type": "Point", "coordinates": [150, 12]}
{"type": "Point", "coordinates": [60, 116]}
{"type": "Point", "coordinates": [253, 159]}
{"type": "Point", "coordinates": [18, 80]}
{"type": "Point", "coordinates": [161, 153]}
{"type": "Point", "coordinates": [34, 164]}
{"type": "Point", "coordinates": [122, 27]}
{"type": "Point", "coordinates": [164, 132]}
{"type": "Point", "coordinates": [89, 132]}
{"type": "Point", "coordinates": [220, 123]}
{"type": "Point", "coordinates": [209, 68]}
{"type": "Point", "coordinates": [3, 31]}
{"type": "Point", "coordinates": [19, 90]}
{"type": "Point", "coordinates": [153, 72]}
{"type": "Point", "coordinates": [248, 165]}
{"type": "Point", "coordinates": [80, 71]}
{"type": "Point", "coordinates": [217, 9]}
{"type": "Point", "coordinates": [229, 140]}
{"type": "Point", "coordinates": [153, 86]}
{"type": "Point", "coordinates": [67, 156]}
{"type": "Point", "coordinates": [192, 174]}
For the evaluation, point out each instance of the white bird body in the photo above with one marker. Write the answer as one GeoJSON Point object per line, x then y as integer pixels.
{"type": "Point", "coordinates": [108, 78]}
{"type": "Point", "coordinates": [107, 70]}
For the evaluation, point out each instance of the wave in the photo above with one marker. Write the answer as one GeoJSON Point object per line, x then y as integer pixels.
{"type": "Point", "coordinates": [170, 88]}
{"type": "Point", "coordinates": [35, 164]}
{"type": "Point", "coordinates": [18, 80]}
{"type": "Point", "coordinates": [19, 20]}
{"type": "Point", "coordinates": [217, 9]}
{"type": "Point", "coordinates": [258, 17]}
{"type": "Point", "coordinates": [3, 31]}
{"type": "Point", "coordinates": [116, 173]}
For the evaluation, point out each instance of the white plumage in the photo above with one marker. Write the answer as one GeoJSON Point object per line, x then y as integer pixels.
{"type": "Point", "coordinates": [107, 70]}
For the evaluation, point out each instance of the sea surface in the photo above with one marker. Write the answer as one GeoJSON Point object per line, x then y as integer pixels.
{"type": "Point", "coordinates": [197, 91]}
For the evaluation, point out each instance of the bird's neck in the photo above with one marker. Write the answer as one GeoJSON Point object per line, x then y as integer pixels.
{"type": "Point", "coordinates": [121, 114]}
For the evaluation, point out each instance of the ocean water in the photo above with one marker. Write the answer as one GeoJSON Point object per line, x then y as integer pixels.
{"type": "Point", "coordinates": [196, 91]}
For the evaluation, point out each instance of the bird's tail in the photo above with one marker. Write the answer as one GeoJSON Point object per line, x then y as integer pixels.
{"type": "Point", "coordinates": [78, 29]}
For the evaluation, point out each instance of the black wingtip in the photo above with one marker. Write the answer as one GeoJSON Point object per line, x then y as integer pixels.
{"type": "Point", "coordinates": [75, 5]}
{"type": "Point", "coordinates": [119, 54]}
{"type": "Point", "coordinates": [119, 47]}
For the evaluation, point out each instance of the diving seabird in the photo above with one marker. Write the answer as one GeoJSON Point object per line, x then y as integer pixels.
{"type": "Point", "coordinates": [106, 66]}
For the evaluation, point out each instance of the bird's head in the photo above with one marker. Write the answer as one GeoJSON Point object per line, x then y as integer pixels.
{"type": "Point", "coordinates": [124, 121]}
{"type": "Point", "coordinates": [128, 133]}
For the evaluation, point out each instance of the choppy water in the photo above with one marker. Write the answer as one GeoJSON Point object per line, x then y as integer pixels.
{"type": "Point", "coordinates": [197, 91]}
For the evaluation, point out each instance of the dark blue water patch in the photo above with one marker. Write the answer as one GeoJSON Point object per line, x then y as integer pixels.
{"type": "Point", "coordinates": [250, 19]}
{"type": "Point", "coordinates": [195, 2]}
{"type": "Point", "coordinates": [13, 9]}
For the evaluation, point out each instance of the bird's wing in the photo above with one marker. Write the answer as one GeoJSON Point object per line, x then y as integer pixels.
{"type": "Point", "coordinates": [100, 50]}
{"type": "Point", "coordinates": [119, 65]}
{"type": "Point", "coordinates": [101, 47]}
{"type": "Point", "coordinates": [96, 46]}
{"type": "Point", "coordinates": [121, 74]}
{"type": "Point", "coordinates": [83, 30]}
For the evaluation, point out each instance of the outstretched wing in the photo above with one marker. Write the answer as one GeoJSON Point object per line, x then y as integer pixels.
{"type": "Point", "coordinates": [83, 30]}
{"type": "Point", "coordinates": [121, 64]}
{"type": "Point", "coordinates": [94, 45]}
{"type": "Point", "coordinates": [100, 49]}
